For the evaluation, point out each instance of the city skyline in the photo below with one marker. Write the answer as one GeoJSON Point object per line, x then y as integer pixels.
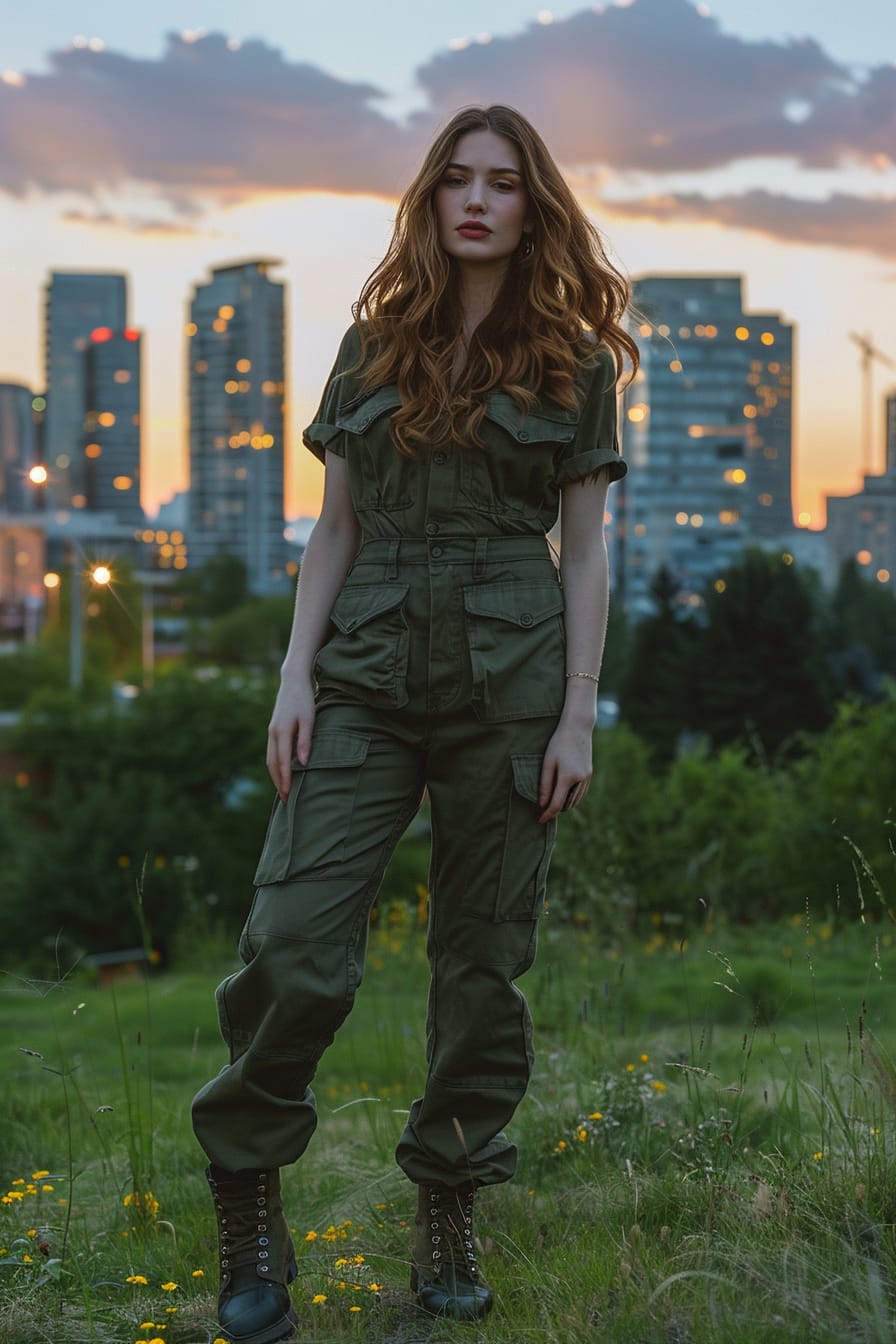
{"type": "Point", "coordinates": [733, 148]}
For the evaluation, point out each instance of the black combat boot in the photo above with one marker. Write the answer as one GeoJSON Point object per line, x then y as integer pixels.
{"type": "Point", "coordinates": [257, 1257]}
{"type": "Point", "coordinates": [444, 1272]}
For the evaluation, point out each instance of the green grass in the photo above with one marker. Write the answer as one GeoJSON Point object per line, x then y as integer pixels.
{"type": "Point", "coordinates": [706, 1151]}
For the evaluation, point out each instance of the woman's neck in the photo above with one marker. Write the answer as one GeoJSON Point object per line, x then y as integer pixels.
{"type": "Point", "coordinates": [478, 289]}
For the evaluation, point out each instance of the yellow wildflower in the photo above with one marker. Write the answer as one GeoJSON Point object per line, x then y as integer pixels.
{"type": "Point", "coordinates": [629, 1068]}
{"type": "Point", "coordinates": [26, 1259]}
{"type": "Point", "coordinates": [136, 1278]}
{"type": "Point", "coordinates": [39, 1175]}
{"type": "Point", "coordinates": [374, 1287]}
{"type": "Point", "coordinates": [354, 1308]}
{"type": "Point", "coordinates": [596, 1115]}
{"type": "Point", "coordinates": [47, 1187]}
{"type": "Point", "coordinates": [658, 1086]}
{"type": "Point", "coordinates": [318, 1298]}
{"type": "Point", "coordinates": [198, 1274]}
{"type": "Point", "coordinates": [644, 1059]}
{"type": "Point", "coordinates": [816, 1157]}
{"type": "Point", "coordinates": [581, 1133]}
{"type": "Point", "coordinates": [168, 1287]}
{"type": "Point", "coordinates": [311, 1236]}
{"type": "Point", "coordinates": [147, 1325]}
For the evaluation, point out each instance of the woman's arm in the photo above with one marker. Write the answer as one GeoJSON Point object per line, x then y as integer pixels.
{"type": "Point", "coordinates": [331, 547]}
{"type": "Point", "coordinates": [566, 770]}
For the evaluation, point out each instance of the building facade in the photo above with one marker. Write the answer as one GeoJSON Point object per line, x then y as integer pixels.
{"type": "Point", "coordinates": [111, 433]}
{"type": "Point", "coordinates": [76, 304]}
{"type": "Point", "coordinates": [708, 432]}
{"type": "Point", "coordinates": [236, 379]}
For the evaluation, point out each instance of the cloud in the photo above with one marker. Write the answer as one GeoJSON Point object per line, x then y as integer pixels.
{"type": "Point", "coordinates": [208, 119]}
{"type": "Point", "coordinates": [652, 86]}
{"type": "Point", "coordinates": [841, 220]}
{"type": "Point", "coordinates": [146, 225]}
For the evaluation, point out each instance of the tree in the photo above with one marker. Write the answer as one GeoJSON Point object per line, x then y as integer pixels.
{"type": "Point", "coordinates": [655, 695]}
{"type": "Point", "coordinates": [758, 672]}
{"type": "Point", "coordinates": [860, 634]}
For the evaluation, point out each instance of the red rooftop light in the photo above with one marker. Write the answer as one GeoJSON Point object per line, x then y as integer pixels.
{"type": "Point", "coordinates": [131, 334]}
{"type": "Point", "coordinates": [101, 334]}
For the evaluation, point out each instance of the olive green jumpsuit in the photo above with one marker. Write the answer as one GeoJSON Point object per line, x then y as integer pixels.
{"type": "Point", "coordinates": [444, 671]}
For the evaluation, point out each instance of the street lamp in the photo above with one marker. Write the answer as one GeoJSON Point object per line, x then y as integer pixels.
{"type": "Point", "coordinates": [101, 575]}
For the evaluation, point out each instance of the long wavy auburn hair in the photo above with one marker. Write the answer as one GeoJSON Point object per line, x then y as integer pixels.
{"type": "Point", "coordinates": [534, 340]}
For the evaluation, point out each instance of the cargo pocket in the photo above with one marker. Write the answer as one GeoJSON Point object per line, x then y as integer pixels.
{"type": "Point", "coordinates": [368, 653]}
{"type": "Point", "coordinates": [381, 477]}
{"type": "Point", "coordinates": [528, 846]}
{"type": "Point", "coordinates": [309, 831]}
{"type": "Point", "coordinates": [517, 644]}
{"type": "Point", "coordinates": [515, 475]}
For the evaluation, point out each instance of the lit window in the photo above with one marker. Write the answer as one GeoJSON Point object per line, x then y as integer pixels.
{"type": "Point", "coordinates": [231, 386]}
{"type": "Point", "coordinates": [765, 500]}
{"type": "Point", "coordinates": [684, 331]}
{"type": "Point", "coordinates": [883, 576]}
{"type": "Point", "coordinates": [122, 482]}
{"type": "Point", "coordinates": [735, 476]}
{"type": "Point", "coordinates": [640, 529]}
{"type": "Point", "coordinates": [804, 519]}
{"type": "Point", "coordinates": [727, 517]}
{"type": "Point", "coordinates": [93, 450]}
{"type": "Point", "coordinates": [742, 333]}
{"type": "Point", "coordinates": [767, 338]}
{"type": "Point", "coordinates": [637, 413]}
{"type": "Point", "coordinates": [675, 365]}
{"type": "Point", "coordinates": [225, 311]}
{"type": "Point", "coordinates": [750, 412]}
{"type": "Point", "coordinates": [201, 366]}
{"type": "Point", "coordinates": [191, 329]}
{"type": "Point", "coordinates": [695, 431]}
{"type": "Point", "coordinates": [863, 557]}
{"type": "Point", "coordinates": [106, 419]}
{"type": "Point", "coordinates": [696, 520]}
{"type": "Point", "coordinates": [219, 324]}
{"type": "Point", "coordinates": [720, 585]}
{"type": "Point", "coordinates": [122, 376]}
{"type": "Point", "coordinates": [787, 557]}
{"type": "Point", "coordinates": [681, 519]}
{"type": "Point", "coordinates": [645, 329]}
{"type": "Point", "coordinates": [243, 365]}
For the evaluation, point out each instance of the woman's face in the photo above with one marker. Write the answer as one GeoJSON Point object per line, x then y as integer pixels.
{"type": "Point", "coordinates": [481, 203]}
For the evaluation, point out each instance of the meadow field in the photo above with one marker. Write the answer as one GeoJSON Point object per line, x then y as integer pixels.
{"type": "Point", "coordinates": [706, 1152]}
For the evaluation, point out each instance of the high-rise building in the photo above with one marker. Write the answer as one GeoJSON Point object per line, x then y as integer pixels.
{"type": "Point", "coordinates": [237, 450]}
{"type": "Point", "coordinates": [707, 435]}
{"type": "Point", "coordinates": [19, 447]}
{"type": "Point", "coordinates": [862, 527]}
{"type": "Point", "coordinates": [77, 303]}
{"type": "Point", "coordinates": [111, 433]}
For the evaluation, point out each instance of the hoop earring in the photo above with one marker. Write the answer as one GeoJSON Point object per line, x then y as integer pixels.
{"type": "Point", "coordinates": [528, 246]}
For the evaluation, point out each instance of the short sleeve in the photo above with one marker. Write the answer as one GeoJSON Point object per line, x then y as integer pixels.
{"type": "Point", "coordinates": [324, 433]}
{"type": "Point", "coordinates": [596, 441]}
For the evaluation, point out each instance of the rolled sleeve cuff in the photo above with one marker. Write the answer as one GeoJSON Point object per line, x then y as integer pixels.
{"type": "Point", "coordinates": [321, 438]}
{"type": "Point", "coordinates": [583, 465]}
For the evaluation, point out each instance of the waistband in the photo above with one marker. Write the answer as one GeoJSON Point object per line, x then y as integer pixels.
{"type": "Point", "coordinates": [478, 551]}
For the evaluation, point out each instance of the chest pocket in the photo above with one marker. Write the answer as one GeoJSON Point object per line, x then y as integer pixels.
{"type": "Point", "coordinates": [516, 476]}
{"type": "Point", "coordinates": [380, 477]}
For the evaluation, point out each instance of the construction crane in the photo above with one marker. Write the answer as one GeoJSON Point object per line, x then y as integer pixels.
{"type": "Point", "coordinates": [869, 352]}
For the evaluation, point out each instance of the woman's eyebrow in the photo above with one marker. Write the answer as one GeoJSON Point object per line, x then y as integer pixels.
{"type": "Point", "coordinates": [465, 167]}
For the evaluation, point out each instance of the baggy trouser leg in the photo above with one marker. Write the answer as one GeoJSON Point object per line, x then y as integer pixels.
{"type": "Point", "coordinates": [256, 1254]}
{"type": "Point", "coordinates": [304, 941]}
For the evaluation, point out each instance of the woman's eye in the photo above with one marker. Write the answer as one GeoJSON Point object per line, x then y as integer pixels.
{"type": "Point", "coordinates": [453, 181]}
{"type": "Point", "coordinates": [503, 186]}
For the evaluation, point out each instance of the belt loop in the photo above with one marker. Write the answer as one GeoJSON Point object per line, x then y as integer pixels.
{"type": "Point", "coordinates": [479, 557]}
{"type": "Point", "coordinates": [392, 560]}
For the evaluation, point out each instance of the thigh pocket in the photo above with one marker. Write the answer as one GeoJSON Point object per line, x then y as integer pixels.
{"type": "Point", "coordinates": [368, 653]}
{"type": "Point", "coordinates": [517, 649]}
{"type": "Point", "coordinates": [528, 846]}
{"type": "Point", "coordinates": [309, 831]}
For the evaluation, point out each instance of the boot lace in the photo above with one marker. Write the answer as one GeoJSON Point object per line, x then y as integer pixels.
{"type": "Point", "coordinates": [241, 1206]}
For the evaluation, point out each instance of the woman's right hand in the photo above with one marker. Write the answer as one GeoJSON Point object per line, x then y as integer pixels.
{"type": "Point", "coordinates": [289, 732]}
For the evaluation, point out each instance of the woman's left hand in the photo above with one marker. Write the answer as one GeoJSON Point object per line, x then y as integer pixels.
{"type": "Point", "coordinates": [566, 769]}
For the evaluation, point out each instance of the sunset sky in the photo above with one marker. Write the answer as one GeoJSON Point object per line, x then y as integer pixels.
{"type": "Point", "coordinates": [738, 136]}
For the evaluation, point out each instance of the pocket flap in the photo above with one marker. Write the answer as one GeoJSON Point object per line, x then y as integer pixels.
{"type": "Point", "coordinates": [330, 750]}
{"type": "Point", "coordinates": [357, 417]}
{"type": "Point", "coordinates": [534, 426]}
{"type": "Point", "coordinates": [524, 604]}
{"type": "Point", "coordinates": [360, 603]}
{"type": "Point", "coordinates": [526, 776]}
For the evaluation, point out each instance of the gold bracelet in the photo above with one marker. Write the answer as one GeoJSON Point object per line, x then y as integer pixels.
{"type": "Point", "coordinates": [589, 676]}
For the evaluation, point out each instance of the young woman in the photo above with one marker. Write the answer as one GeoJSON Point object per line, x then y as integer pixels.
{"type": "Point", "coordinates": [435, 646]}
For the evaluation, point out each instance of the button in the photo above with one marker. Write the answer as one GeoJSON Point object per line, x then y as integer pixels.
{"type": "Point", "coordinates": [431, 529]}
{"type": "Point", "coordinates": [436, 552]}
{"type": "Point", "coordinates": [440, 458]}
{"type": "Point", "coordinates": [523, 435]}
{"type": "Point", "coordinates": [526, 618]}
